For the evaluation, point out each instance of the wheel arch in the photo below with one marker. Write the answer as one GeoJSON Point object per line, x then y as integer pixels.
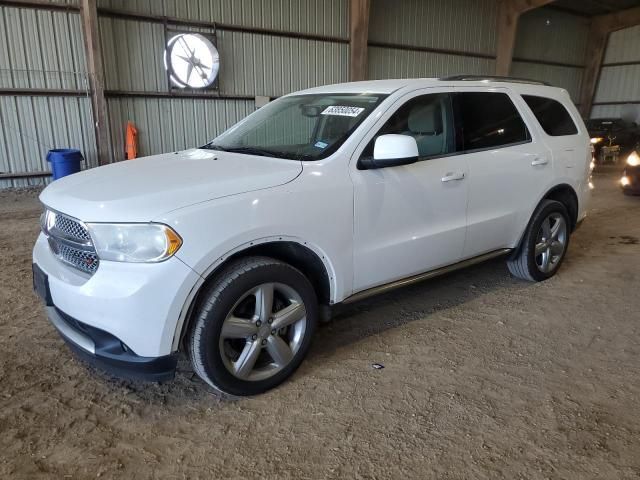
{"type": "Point", "coordinates": [563, 193]}
{"type": "Point", "coordinates": [312, 262]}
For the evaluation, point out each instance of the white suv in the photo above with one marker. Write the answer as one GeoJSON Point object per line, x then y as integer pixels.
{"type": "Point", "coordinates": [231, 251]}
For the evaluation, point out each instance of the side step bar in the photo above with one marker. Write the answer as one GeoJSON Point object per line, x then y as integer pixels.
{"type": "Point", "coordinates": [425, 276]}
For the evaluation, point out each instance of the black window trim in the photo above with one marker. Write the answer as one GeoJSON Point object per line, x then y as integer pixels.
{"type": "Point", "coordinates": [499, 147]}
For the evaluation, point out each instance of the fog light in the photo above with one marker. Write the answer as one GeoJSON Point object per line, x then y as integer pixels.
{"type": "Point", "coordinates": [624, 181]}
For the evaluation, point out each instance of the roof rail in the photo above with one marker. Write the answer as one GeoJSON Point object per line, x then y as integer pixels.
{"type": "Point", "coordinates": [490, 78]}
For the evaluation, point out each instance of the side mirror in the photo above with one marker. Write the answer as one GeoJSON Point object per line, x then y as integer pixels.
{"type": "Point", "coordinates": [391, 151]}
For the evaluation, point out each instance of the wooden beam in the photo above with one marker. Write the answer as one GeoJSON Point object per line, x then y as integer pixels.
{"type": "Point", "coordinates": [619, 20]}
{"type": "Point", "coordinates": [596, 46]}
{"type": "Point", "coordinates": [509, 12]}
{"type": "Point", "coordinates": [601, 27]}
{"type": "Point", "coordinates": [358, 37]}
{"type": "Point", "coordinates": [93, 54]}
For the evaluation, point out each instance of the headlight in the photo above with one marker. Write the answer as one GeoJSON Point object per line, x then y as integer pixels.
{"type": "Point", "coordinates": [595, 140]}
{"type": "Point", "coordinates": [134, 242]}
{"type": "Point", "coordinates": [624, 181]}
{"type": "Point", "coordinates": [633, 160]}
{"type": "Point", "coordinates": [47, 221]}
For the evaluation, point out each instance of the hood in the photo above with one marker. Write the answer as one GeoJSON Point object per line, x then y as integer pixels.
{"type": "Point", "coordinates": [143, 189]}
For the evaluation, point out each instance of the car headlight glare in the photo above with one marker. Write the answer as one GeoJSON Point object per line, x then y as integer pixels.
{"type": "Point", "coordinates": [633, 160]}
{"type": "Point", "coordinates": [596, 140]}
{"type": "Point", "coordinates": [134, 242]}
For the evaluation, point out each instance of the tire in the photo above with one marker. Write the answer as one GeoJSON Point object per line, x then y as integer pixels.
{"type": "Point", "coordinates": [231, 329]}
{"type": "Point", "coordinates": [525, 264]}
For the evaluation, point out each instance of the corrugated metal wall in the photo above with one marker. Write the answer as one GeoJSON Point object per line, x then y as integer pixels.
{"type": "Point", "coordinates": [620, 77]}
{"type": "Point", "coordinates": [30, 126]}
{"type": "Point", "coordinates": [41, 50]}
{"type": "Point", "coordinates": [169, 124]}
{"type": "Point", "coordinates": [45, 51]}
{"type": "Point", "coordinates": [408, 38]}
{"type": "Point", "coordinates": [466, 26]}
{"type": "Point", "coordinates": [250, 64]}
{"type": "Point", "coordinates": [325, 17]}
{"type": "Point", "coordinates": [547, 35]}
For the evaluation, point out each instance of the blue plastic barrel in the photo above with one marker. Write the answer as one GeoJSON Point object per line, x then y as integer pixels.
{"type": "Point", "coordinates": [64, 161]}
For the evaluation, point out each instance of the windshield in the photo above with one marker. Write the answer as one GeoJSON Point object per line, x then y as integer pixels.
{"type": "Point", "coordinates": [300, 127]}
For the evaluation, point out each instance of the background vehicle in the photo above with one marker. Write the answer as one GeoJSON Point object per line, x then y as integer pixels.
{"type": "Point", "coordinates": [324, 196]}
{"type": "Point", "coordinates": [630, 181]}
{"type": "Point", "coordinates": [607, 132]}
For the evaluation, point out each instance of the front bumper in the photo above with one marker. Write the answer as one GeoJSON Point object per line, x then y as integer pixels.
{"type": "Point", "coordinates": [129, 312]}
{"type": "Point", "coordinates": [108, 353]}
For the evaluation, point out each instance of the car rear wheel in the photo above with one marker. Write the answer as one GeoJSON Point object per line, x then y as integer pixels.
{"type": "Point", "coordinates": [253, 326]}
{"type": "Point", "coordinates": [544, 245]}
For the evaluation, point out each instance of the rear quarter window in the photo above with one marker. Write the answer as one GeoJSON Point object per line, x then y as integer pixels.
{"type": "Point", "coordinates": [552, 116]}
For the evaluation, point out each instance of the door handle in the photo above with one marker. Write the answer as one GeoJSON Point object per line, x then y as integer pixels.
{"type": "Point", "coordinates": [540, 161]}
{"type": "Point", "coordinates": [451, 176]}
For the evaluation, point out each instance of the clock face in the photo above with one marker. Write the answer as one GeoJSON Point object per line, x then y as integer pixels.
{"type": "Point", "coordinates": [191, 60]}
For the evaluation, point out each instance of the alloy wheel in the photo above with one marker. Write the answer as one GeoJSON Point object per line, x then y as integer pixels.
{"type": "Point", "coordinates": [263, 331]}
{"type": "Point", "coordinates": [551, 242]}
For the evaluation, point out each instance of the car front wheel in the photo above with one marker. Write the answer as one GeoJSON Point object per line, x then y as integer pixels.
{"type": "Point", "coordinates": [253, 326]}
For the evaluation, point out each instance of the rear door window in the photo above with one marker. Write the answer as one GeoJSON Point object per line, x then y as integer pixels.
{"type": "Point", "coordinates": [487, 120]}
{"type": "Point", "coordinates": [552, 115]}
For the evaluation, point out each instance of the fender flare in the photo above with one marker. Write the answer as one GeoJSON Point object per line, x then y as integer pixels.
{"type": "Point", "coordinates": [189, 303]}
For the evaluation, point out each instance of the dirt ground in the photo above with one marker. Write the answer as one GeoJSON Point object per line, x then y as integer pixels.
{"type": "Point", "coordinates": [485, 377]}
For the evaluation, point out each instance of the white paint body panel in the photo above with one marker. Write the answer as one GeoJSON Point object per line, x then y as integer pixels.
{"type": "Point", "coordinates": [138, 303]}
{"type": "Point", "coordinates": [139, 190]}
{"type": "Point", "coordinates": [369, 227]}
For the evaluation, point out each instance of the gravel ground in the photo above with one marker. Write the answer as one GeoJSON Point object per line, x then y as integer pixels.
{"type": "Point", "coordinates": [485, 377]}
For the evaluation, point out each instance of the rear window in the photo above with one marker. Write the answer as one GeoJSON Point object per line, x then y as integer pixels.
{"type": "Point", "coordinates": [487, 120]}
{"type": "Point", "coordinates": [552, 115]}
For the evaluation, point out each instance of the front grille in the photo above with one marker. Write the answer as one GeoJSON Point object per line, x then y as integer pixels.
{"type": "Point", "coordinates": [70, 242]}
{"type": "Point", "coordinates": [71, 228]}
{"type": "Point", "coordinates": [87, 261]}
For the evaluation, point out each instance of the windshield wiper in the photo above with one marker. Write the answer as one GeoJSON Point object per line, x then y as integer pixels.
{"type": "Point", "coordinates": [251, 151]}
{"type": "Point", "coordinates": [257, 151]}
{"type": "Point", "coordinates": [212, 146]}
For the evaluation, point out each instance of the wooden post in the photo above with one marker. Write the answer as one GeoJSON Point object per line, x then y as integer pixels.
{"type": "Point", "coordinates": [93, 54]}
{"type": "Point", "coordinates": [509, 12]}
{"type": "Point", "coordinates": [596, 46]}
{"type": "Point", "coordinates": [358, 37]}
{"type": "Point", "coordinates": [601, 27]}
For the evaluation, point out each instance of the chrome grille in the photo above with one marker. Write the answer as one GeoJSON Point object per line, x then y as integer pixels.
{"type": "Point", "coordinates": [71, 228]}
{"type": "Point", "coordinates": [86, 261]}
{"type": "Point", "coordinates": [70, 242]}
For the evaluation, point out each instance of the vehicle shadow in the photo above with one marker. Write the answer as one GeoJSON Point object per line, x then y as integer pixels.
{"type": "Point", "coordinates": [352, 322]}
{"type": "Point", "coordinates": [349, 324]}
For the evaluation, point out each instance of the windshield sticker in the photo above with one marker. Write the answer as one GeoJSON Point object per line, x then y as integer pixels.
{"type": "Point", "coordinates": [343, 111]}
{"type": "Point", "coordinates": [321, 145]}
